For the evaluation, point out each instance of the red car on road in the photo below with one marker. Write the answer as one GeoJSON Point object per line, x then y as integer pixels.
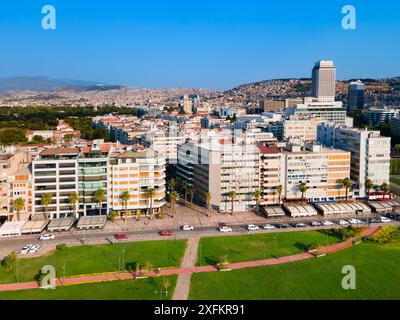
{"type": "Point", "coordinates": [166, 233]}
{"type": "Point", "coordinates": [121, 236]}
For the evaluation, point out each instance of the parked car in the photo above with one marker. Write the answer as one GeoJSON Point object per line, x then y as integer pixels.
{"type": "Point", "coordinates": [394, 216]}
{"type": "Point", "coordinates": [373, 220]}
{"type": "Point", "coordinates": [47, 237]}
{"type": "Point", "coordinates": [300, 225]}
{"type": "Point", "coordinates": [225, 229]}
{"type": "Point", "coordinates": [166, 233]}
{"type": "Point", "coordinates": [343, 223]}
{"type": "Point", "coordinates": [384, 219]}
{"type": "Point", "coordinates": [268, 226]}
{"type": "Point", "coordinates": [252, 227]}
{"type": "Point", "coordinates": [316, 224]}
{"type": "Point", "coordinates": [35, 248]}
{"type": "Point", "coordinates": [327, 223]}
{"type": "Point", "coordinates": [121, 236]}
{"type": "Point", "coordinates": [187, 227]}
{"type": "Point", "coordinates": [355, 221]}
{"type": "Point", "coordinates": [25, 249]}
{"type": "Point", "coordinates": [283, 226]}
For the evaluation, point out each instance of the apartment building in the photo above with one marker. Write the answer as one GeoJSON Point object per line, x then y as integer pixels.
{"type": "Point", "coordinates": [136, 173]}
{"type": "Point", "coordinates": [223, 167]}
{"type": "Point", "coordinates": [322, 169]}
{"type": "Point", "coordinates": [55, 172]}
{"type": "Point", "coordinates": [370, 153]}
{"type": "Point", "coordinates": [301, 128]}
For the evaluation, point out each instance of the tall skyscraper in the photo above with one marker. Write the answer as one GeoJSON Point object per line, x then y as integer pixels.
{"type": "Point", "coordinates": [324, 80]}
{"type": "Point", "coordinates": [356, 99]}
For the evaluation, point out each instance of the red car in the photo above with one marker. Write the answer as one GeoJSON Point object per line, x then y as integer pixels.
{"type": "Point", "coordinates": [121, 236]}
{"type": "Point", "coordinates": [166, 233]}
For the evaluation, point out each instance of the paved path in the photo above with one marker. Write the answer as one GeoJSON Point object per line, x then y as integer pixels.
{"type": "Point", "coordinates": [189, 260]}
{"type": "Point", "coordinates": [188, 268]}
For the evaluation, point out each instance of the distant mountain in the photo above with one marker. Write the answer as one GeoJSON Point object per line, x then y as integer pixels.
{"type": "Point", "coordinates": [44, 84]}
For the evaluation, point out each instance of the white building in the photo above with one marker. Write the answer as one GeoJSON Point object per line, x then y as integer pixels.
{"type": "Point", "coordinates": [324, 81]}
{"type": "Point", "coordinates": [370, 152]}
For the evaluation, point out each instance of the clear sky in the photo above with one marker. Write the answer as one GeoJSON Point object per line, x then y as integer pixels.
{"type": "Point", "coordinates": [215, 44]}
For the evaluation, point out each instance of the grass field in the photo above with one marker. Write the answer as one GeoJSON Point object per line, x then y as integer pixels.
{"type": "Point", "coordinates": [395, 180]}
{"type": "Point", "coordinates": [100, 258]}
{"type": "Point", "coordinates": [142, 289]}
{"type": "Point", "coordinates": [260, 246]}
{"type": "Point", "coordinates": [377, 277]}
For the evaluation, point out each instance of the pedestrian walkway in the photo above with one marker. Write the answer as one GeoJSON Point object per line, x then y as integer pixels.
{"type": "Point", "coordinates": [188, 268]}
{"type": "Point", "coordinates": [189, 260]}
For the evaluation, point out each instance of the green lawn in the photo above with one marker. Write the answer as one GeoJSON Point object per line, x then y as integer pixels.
{"type": "Point", "coordinates": [377, 277]}
{"type": "Point", "coordinates": [260, 246]}
{"type": "Point", "coordinates": [99, 258]}
{"type": "Point", "coordinates": [142, 289]}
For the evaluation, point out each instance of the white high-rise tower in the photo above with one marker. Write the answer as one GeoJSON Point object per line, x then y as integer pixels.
{"type": "Point", "coordinates": [324, 81]}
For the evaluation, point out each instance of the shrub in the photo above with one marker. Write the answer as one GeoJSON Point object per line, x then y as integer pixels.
{"type": "Point", "coordinates": [61, 246]}
{"type": "Point", "coordinates": [10, 261]}
{"type": "Point", "coordinates": [386, 234]}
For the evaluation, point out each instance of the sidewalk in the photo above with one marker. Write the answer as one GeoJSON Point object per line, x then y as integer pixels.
{"type": "Point", "coordinates": [187, 268]}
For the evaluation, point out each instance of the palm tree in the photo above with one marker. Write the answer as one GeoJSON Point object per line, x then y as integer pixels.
{"type": "Point", "coordinates": [257, 196]}
{"type": "Point", "coordinates": [99, 197]}
{"type": "Point", "coordinates": [303, 187]}
{"type": "Point", "coordinates": [73, 199]}
{"type": "Point", "coordinates": [173, 196]}
{"type": "Point", "coordinates": [208, 199]}
{"type": "Point", "coordinates": [185, 188]}
{"type": "Point", "coordinates": [232, 195]}
{"type": "Point", "coordinates": [190, 192]}
{"type": "Point", "coordinates": [125, 198]}
{"type": "Point", "coordinates": [385, 188]}
{"type": "Point", "coordinates": [150, 194]}
{"type": "Point", "coordinates": [346, 182]}
{"type": "Point", "coordinates": [172, 184]}
{"type": "Point", "coordinates": [18, 205]}
{"type": "Point", "coordinates": [45, 201]}
{"type": "Point", "coordinates": [279, 190]}
{"type": "Point", "coordinates": [368, 186]}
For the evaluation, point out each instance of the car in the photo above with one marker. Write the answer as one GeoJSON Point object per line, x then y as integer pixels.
{"type": "Point", "coordinates": [327, 223]}
{"type": "Point", "coordinates": [384, 219]}
{"type": "Point", "coordinates": [35, 248]}
{"type": "Point", "coordinates": [47, 237]}
{"type": "Point", "coordinates": [121, 236]}
{"type": "Point", "coordinates": [373, 220]}
{"type": "Point", "coordinates": [300, 225]}
{"type": "Point", "coordinates": [25, 249]}
{"type": "Point", "coordinates": [393, 215]}
{"type": "Point", "coordinates": [283, 226]}
{"type": "Point", "coordinates": [268, 226]}
{"type": "Point", "coordinates": [316, 224]}
{"type": "Point", "coordinates": [355, 221]}
{"type": "Point", "coordinates": [252, 227]}
{"type": "Point", "coordinates": [166, 233]}
{"type": "Point", "coordinates": [225, 229]}
{"type": "Point", "coordinates": [187, 227]}
{"type": "Point", "coordinates": [343, 223]}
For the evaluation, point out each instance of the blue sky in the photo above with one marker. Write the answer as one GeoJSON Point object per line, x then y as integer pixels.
{"type": "Point", "coordinates": [214, 44]}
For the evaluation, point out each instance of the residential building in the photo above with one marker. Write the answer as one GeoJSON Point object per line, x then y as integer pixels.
{"type": "Point", "coordinates": [379, 116]}
{"type": "Point", "coordinates": [370, 153]}
{"type": "Point", "coordinates": [355, 98]}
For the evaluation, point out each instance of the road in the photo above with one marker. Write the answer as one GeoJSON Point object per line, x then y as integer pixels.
{"type": "Point", "coordinates": [74, 237]}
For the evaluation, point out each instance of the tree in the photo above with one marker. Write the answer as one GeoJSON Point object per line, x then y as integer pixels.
{"type": "Point", "coordinates": [125, 198]}
{"type": "Point", "coordinates": [10, 261]}
{"type": "Point", "coordinates": [368, 186]}
{"type": "Point", "coordinates": [346, 182]}
{"type": "Point", "coordinates": [172, 184]}
{"type": "Point", "coordinates": [303, 189]}
{"type": "Point", "coordinates": [73, 199]}
{"type": "Point", "coordinates": [279, 190]}
{"type": "Point", "coordinates": [161, 214]}
{"type": "Point", "coordinates": [18, 205]}
{"type": "Point", "coordinates": [208, 199]}
{"type": "Point", "coordinates": [173, 196]}
{"type": "Point", "coordinates": [150, 194]}
{"type": "Point", "coordinates": [99, 197]}
{"type": "Point", "coordinates": [45, 201]}
{"type": "Point", "coordinates": [232, 195]}
{"type": "Point", "coordinates": [166, 284]}
{"type": "Point", "coordinates": [185, 188]}
{"type": "Point", "coordinates": [190, 192]}
{"type": "Point", "coordinates": [138, 214]}
{"type": "Point", "coordinates": [385, 189]}
{"type": "Point", "coordinates": [68, 137]}
{"type": "Point", "coordinates": [257, 196]}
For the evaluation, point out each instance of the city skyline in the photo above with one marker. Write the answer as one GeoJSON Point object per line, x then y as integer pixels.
{"type": "Point", "coordinates": [215, 46]}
